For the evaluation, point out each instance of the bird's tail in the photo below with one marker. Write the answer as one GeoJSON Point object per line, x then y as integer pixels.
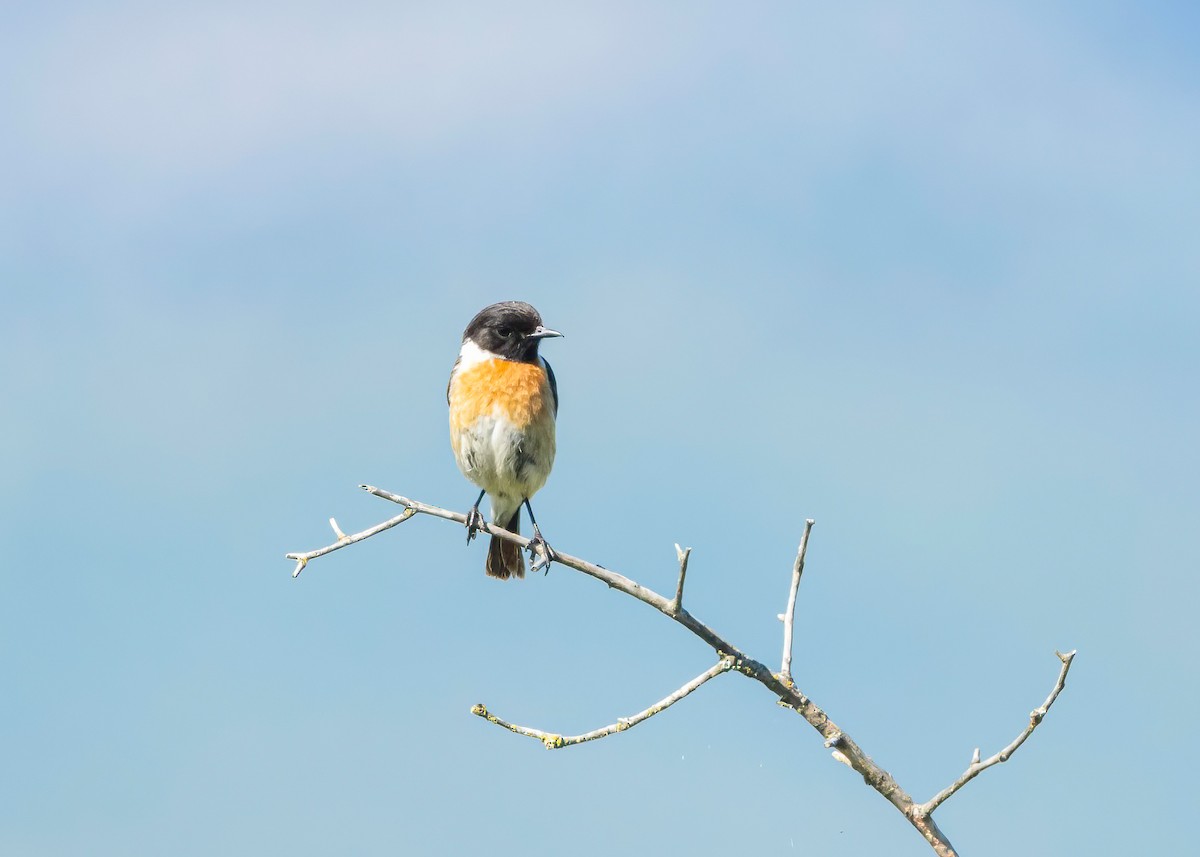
{"type": "Point", "coordinates": [504, 559]}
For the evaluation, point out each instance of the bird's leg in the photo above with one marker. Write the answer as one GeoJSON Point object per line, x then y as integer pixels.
{"type": "Point", "coordinates": [539, 550]}
{"type": "Point", "coordinates": [475, 521]}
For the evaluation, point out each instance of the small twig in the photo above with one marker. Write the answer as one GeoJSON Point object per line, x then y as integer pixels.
{"type": "Point", "coordinates": [343, 539]}
{"type": "Point", "coordinates": [677, 602]}
{"type": "Point", "coordinates": [789, 618]}
{"type": "Point", "coordinates": [977, 767]}
{"type": "Point", "coordinates": [554, 742]}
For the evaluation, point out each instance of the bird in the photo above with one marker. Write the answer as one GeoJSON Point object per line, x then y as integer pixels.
{"type": "Point", "coordinates": [503, 400]}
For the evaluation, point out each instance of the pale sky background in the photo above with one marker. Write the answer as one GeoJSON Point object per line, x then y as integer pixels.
{"type": "Point", "coordinates": [925, 272]}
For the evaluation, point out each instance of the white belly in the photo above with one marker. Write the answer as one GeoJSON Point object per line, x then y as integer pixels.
{"type": "Point", "coordinates": [510, 465]}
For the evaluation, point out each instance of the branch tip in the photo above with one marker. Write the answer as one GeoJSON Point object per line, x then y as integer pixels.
{"type": "Point", "coordinates": [676, 603]}
{"type": "Point", "coordinates": [789, 616]}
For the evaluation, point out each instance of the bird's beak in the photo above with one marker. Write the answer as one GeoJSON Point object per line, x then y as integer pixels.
{"type": "Point", "coordinates": [540, 332]}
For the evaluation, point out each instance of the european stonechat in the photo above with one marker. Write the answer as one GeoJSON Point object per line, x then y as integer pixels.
{"type": "Point", "coordinates": [503, 400]}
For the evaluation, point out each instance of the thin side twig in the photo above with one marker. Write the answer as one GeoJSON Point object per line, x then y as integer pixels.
{"type": "Point", "coordinates": [682, 555]}
{"type": "Point", "coordinates": [302, 558]}
{"type": "Point", "coordinates": [555, 742]}
{"type": "Point", "coordinates": [977, 767]}
{"type": "Point", "coordinates": [789, 618]}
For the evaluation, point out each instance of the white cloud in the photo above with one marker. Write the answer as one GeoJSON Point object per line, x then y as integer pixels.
{"type": "Point", "coordinates": [192, 86]}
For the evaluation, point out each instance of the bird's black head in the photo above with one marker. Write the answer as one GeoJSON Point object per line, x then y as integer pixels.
{"type": "Point", "coordinates": [511, 329]}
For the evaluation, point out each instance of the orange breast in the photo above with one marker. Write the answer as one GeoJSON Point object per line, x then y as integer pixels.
{"type": "Point", "coordinates": [520, 392]}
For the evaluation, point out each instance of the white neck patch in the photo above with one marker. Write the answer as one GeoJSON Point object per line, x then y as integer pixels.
{"type": "Point", "coordinates": [472, 355]}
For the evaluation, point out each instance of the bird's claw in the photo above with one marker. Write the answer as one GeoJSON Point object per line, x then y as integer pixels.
{"type": "Point", "coordinates": [541, 553]}
{"type": "Point", "coordinates": [475, 523]}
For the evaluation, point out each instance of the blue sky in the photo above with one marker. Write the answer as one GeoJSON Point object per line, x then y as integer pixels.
{"type": "Point", "coordinates": [923, 272]}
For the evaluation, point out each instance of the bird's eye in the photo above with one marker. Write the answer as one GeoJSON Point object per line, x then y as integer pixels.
{"type": "Point", "coordinates": [504, 332]}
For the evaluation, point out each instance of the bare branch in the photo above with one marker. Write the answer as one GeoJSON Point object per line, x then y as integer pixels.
{"type": "Point", "coordinates": [677, 601]}
{"type": "Point", "coordinates": [555, 742]}
{"type": "Point", "coordinates": [845, 750]}
{"type": "Point", "coordinates": [977, 767]}
{"type": "Point", "coordinates": [789, 618]}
